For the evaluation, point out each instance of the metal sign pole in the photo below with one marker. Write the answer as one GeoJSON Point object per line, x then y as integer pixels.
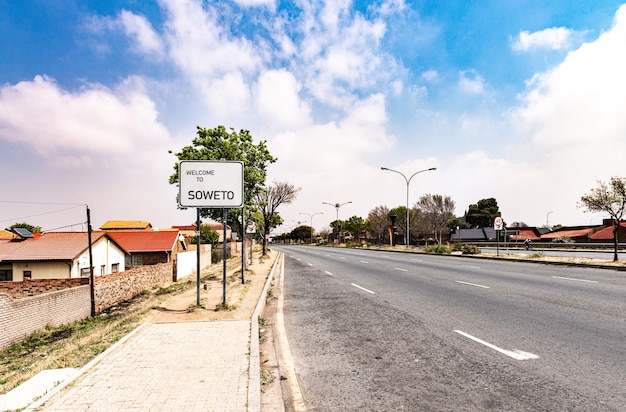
{"type": "Point", "coordinates": [224, 262]}
{"type": "Point", "coordinates": [198, 222]}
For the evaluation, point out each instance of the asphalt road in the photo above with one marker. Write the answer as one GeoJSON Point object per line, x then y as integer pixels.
{"type": "Point", "coordinates": [383, 331]}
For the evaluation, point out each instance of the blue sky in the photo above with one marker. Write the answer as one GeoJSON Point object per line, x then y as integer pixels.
{"type": "Point", "coordinates": [522, 101]}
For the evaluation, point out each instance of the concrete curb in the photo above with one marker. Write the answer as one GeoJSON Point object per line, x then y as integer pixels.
{"type": "Point", "coordinates": [254, 370]}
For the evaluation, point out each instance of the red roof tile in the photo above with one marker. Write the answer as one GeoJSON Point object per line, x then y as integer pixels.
{"type": "Point", "coordinates": [607, 232]}
{"type": "Point", "coordinates": [148, 241]}
{"type": "Point", "coordinates": [568, 233]}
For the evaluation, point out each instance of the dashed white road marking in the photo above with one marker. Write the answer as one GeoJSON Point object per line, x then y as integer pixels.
{"type": "Point", "coordinates": [402, 270]}
{"type": "Point", "coordinates": [515, 354]}
{"type": "Point", "coordinates": [364, 261]}
{"type": "Point", "coordinates": [577, 280]}
{"type": "Point", "coordinates": [473, 284]}
{"type": "Point", "coordinates": [328, 273]}
{"type": "Point", "coordinates": [362, 288]}
{"type": "Point", "coordinates": [470, 266]}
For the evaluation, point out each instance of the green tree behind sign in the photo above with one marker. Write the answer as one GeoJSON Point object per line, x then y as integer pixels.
{"type": "Point", "coordinates": [221, 144]}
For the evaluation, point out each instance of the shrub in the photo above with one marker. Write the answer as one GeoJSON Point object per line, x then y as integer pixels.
{"type": "Point", "coordinates": [438, 249]}
{"type": "Point", "coordinates": [470, 250]}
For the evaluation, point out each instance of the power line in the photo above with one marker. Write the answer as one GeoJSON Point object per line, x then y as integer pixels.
{"type": "Point", "coordinates": [73, 206]}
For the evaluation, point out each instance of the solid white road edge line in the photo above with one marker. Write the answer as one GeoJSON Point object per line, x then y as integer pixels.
{"type": "Point", "coordinates": [362, 288]}
{"type": "Point", "coordinates": [577, 280]}
{"type": "Point", "coordinates": [515, 354]}
{"type": "Point", "coordinates": [473, 284]}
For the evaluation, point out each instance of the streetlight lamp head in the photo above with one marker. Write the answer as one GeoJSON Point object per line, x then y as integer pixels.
{"type": "Point", "coordinates": [383, 168]}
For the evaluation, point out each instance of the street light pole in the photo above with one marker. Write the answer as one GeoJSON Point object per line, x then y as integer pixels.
{"type": "Point", "coordinates": [311, 216]}
{"type": "Point", "coordinates": [337, 206]}
{"type": "Point", "coordinates": [408, 181]}
{"type": "Point", "coordinates": [547, 220]}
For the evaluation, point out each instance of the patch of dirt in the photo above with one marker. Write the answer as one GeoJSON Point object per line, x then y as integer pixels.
{"type": "Point", "coordinates": [241, 297]}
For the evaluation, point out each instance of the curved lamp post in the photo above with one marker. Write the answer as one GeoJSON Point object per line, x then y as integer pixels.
{"type": "Point", "coordinates": [337, 206]}
{"type": "Point", "coordinates": [408, 181]}
{"type": "Point", "coordinates": [311, 217]}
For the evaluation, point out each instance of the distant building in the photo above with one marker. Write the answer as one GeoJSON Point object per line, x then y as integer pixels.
{"type": "Point", "coordinates": [126, 225]}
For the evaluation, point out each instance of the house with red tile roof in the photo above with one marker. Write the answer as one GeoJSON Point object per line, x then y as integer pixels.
{"type": "Point", "coordinates": [149, 247]}
{"type": "Point", "coordinates": [606, 234]}
{"type": "Point", "coordinates": [59, 255]}
{"type": "Point", "coordinates": [572, 234]}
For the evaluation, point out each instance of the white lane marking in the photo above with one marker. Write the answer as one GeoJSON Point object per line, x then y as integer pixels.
{"type": "Point", "coordinates": [364, 261]}
{"type": "Point", "coordinates": [310, 264]}
{"type": "Point", "coordinates": [473, 284]}
{"type": "Point", "coordinates": [470, 266]}
{"type": "Point", "coordinates": [417, 260]}
{"type": "Point", "coordinates": [403, 270]}
{"type": "Point", "coordinates": [343, 257]}
{"type": "Point", "coordinates": [577, 280]}
{"type": "Point", "coordinates": [362, 288]}
{"type": "Point", "coordinates": [328, 273]}
{"type": "Point", "coordinates": [515, 354]}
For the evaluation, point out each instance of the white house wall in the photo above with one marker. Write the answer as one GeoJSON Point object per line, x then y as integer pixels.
{"type": "Point", "coordinates": [105, 253]}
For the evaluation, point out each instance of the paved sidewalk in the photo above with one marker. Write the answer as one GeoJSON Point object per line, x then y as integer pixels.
{"type": "Point", "coordinates": [186, 366]}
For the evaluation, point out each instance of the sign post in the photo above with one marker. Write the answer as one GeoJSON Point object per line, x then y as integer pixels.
{"type": "Point", "coordinates": [210, 184]}
{"type": "Point", "coordinates": [498, 224]}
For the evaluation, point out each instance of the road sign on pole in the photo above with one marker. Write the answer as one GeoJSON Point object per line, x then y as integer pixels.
{"type": "Point", "coordinates": [498, 223]}
{"type": "Point", "coordinates": [210, 184]}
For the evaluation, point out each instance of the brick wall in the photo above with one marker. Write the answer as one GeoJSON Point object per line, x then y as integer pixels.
{"type": "Point", "coordinates": [31, 305]}
{"type": "Point", "coordinates": [21, 317]}
{"type": "Point", "coordinates": [119, 287]}
{"type": "Point", "coordinates": [39, 286]}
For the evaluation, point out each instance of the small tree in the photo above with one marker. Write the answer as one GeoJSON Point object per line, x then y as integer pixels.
{"type": "Point", "coordinates": [301, 233]}
{"type": "Point", "coordinates": [611, 199]}
{"type": "Point", "coordinates": [437, 211]}
{"type": "Point", "coordinates": [207, 235]}
{"type": "Point", "coordinates": [355, 225]}
{"type": "Point", "coordinates": [29, 227]}
{"type": "Point", "coordinates": [378, 219]}
{"type": "Point", "coordinates": [482, 213]}
{"type": "Point", "coordinates": [268, 200]}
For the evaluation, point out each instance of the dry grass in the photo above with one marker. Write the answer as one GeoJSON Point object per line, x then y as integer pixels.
{"type": "Point", "coordinates": [74, 345]}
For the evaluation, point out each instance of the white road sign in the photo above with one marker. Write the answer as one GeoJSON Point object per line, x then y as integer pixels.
{"type": "Point", "coordinates": [212, 184]}
{"type": "Point", "coordinates": [498, 223]}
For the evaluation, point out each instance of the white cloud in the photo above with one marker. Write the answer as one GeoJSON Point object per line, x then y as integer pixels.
{"type": "Point", "coordinates": [430, 76]}
{"type": "Point", "coordinates": [555, 38]}
{"type": "Point", "coordinates": [278, 102]}
{"type": "Point", "coordinates": [256, 3]}
{"type": "Point", "coordinates": [92, 124]}
{"type": "Point", "coordinates": [140, 30]}
{"type": "Point", "coordinates": [573, 116]}
{"type": "Point", "coordinates": [471, 82]}
{"type": "Point", "coordinates": [201, 47]}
